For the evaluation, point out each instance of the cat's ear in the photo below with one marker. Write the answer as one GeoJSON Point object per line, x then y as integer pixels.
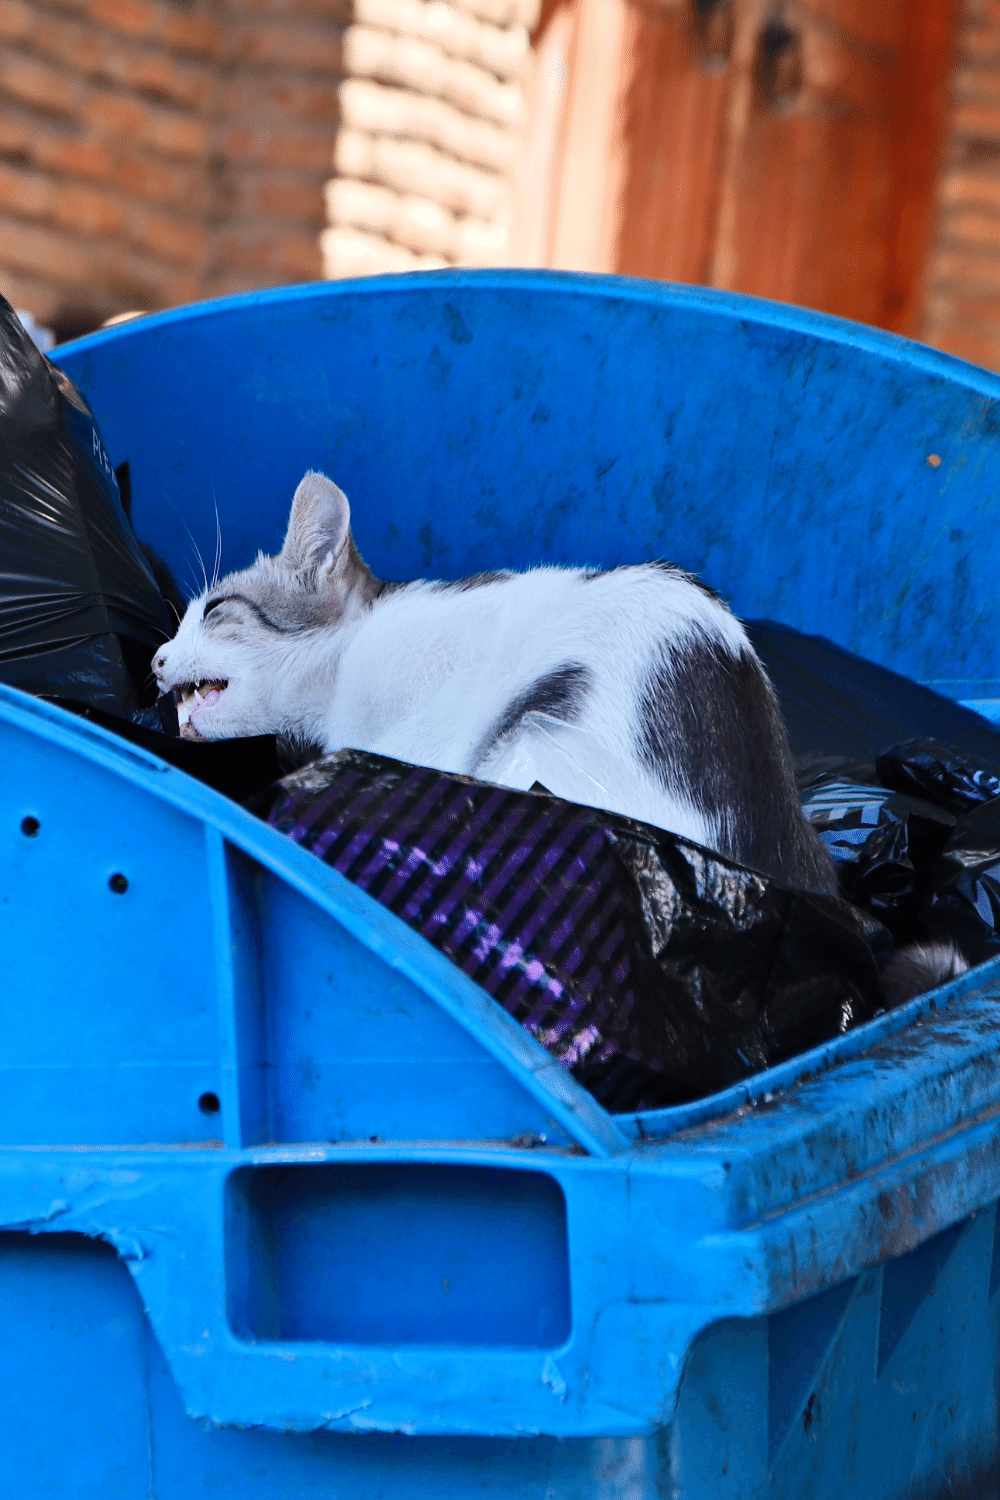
{"type": "Point", "coordinates": [319, 527]}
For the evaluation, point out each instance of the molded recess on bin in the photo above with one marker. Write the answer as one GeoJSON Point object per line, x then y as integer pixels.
{"type": "Point", "coordinates": [907, 1282]}
{"type": "Point", "coordinates": [392, 1253]}
{"type": "Point", "coordinates": [800, 1339]}
{"type": "Point", "coordinates": [336, 1044]}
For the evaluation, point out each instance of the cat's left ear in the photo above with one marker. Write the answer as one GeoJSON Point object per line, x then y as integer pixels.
{"type": "Point", "coordinates": [319, 527]}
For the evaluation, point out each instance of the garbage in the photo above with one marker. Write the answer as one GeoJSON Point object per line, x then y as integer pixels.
{"type": "Point", "coordinates": [80, 612]}
{"type": "Point", "coordinates": [883, 844]}
{"type": "Point", "coordinates": [961, 894]}
{"type": "Point", "coordinates": [657, 971]}
{"type": "Point", "coordinates": [962, 900]}
{"type": "Point", "coordinates": [955, 780]}
{"type": "Point", "coordinates": [903, 786]}
{"type": "Point", "coordinates": [652, 969]}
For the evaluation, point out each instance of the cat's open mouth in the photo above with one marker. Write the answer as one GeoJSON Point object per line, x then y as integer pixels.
{"type": "Point", "coordinates": [191, 695]}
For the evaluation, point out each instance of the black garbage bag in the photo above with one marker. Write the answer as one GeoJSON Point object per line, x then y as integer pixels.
{"type": "Point", "coordinates": [926, 871]}
{"type": "Point", "coordinates": [80, 611]}
{"type": "Point", "coordinates": [955, 780]}
{"type": "Point", "coordinates": [900, 783]}
{"type": "Point", "coordinates": [883, 843]}
{"type": "Point", "coordinates": [652, 969]}
{"type": "Point", "coordinates": [960, 890]}
{"type": "Point", "coordinates": [962, 899]}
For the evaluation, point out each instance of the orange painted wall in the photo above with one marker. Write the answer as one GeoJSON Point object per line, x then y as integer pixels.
{"type": "Point", "coordinates": [788, 150]}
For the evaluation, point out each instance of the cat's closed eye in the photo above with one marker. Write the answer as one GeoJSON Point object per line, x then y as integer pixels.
{"type": "Point", "coordinates": [212, 604]}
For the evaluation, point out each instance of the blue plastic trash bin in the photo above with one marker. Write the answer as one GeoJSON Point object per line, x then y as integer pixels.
{"type": "Point", "coordinates": [288, 1207]}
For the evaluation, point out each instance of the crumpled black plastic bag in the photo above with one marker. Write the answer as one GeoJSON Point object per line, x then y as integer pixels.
{"type": "Point", "coordinates": [954, 780]}
{"type": "Point", "coordinates": [962, 901]}
{"type": "Point", "coordinates": [961, 889]}
{"type": "Point", "coordinates": [902, 784]}
{"type": "Point", "coordinates": [925, 870]}
{"type": "Point", "coordinates": [883, 843]}
{"type": "Point", "coordinates": [652, 969]}
{"type": "Point", "coordinates": [80, 611]}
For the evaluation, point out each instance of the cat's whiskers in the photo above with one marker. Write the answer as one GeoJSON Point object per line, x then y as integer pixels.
{"type": "Point", "coordinates": [218, 541]}
{"type": "Point", "coordinates": [196, 588]}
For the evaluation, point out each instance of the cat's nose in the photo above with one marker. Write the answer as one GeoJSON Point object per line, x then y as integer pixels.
{"type": "Point", "coordinates": [159, 662]}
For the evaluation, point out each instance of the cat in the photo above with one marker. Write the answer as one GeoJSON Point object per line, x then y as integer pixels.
{"type": "Point", "coordinates": [633, 689]}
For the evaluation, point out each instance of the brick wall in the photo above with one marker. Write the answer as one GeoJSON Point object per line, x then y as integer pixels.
{"type": "Point", "coordinates": [431, 121]}
{"type": "Point", "coordinates": [152, 152]}
{"type": "Point", "coordinates": [105, 131]}
{"type": "Point", "coordinates": [963, 270]}
{"type": "Point", "coordinates": [281, 65]}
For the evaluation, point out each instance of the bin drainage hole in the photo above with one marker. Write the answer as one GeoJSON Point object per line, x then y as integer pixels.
{"type": "Point", "coordinates": [29, 827]}
{"type": "Point", "coordinates": [118, 884]}
{"type": "Point", "coordinates": [209, 1104]}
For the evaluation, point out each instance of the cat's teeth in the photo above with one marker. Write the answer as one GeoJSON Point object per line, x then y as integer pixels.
{"type": "Point", "coordinates": [197, 696]}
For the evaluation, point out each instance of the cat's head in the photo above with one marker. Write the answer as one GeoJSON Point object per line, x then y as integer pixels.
{"type": "Point", "coordinates": [254, 650]}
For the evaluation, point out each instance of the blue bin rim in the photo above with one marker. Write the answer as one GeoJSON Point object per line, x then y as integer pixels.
{"type": "Point", "coordinates": [721, 304]}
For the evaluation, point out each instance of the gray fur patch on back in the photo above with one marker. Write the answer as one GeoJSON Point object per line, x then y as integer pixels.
{"type": "Point", "coordinates": [558, 695]}
{"type": "Point", "coordinates": [709, 726]}
{"type": "Point", "coordinates": [474, 581]}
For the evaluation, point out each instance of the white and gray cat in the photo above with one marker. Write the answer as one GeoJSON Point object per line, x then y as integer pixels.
{"type": "Point", "coordinates": [634, 689]}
